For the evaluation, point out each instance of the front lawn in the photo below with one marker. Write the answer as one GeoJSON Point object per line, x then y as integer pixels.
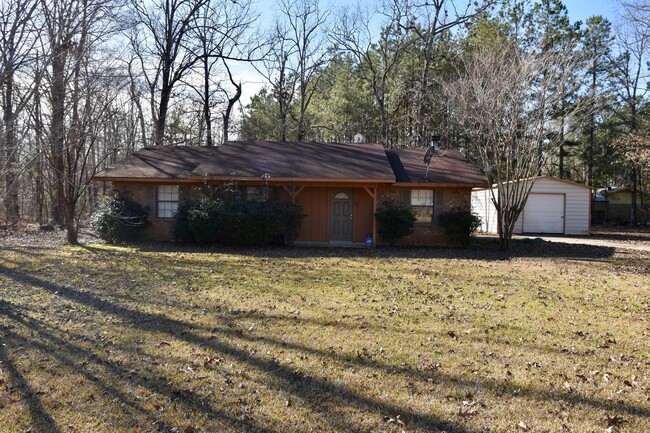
{"type": "Point", "coordinates": [148, 339]}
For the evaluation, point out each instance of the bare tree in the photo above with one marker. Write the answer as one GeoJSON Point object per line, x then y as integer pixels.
{"type": "Point", "coordinates": [221, 31]}
{"type": "Point", "coordinates": [377, 59]}
{"type": "Point", "coordinates": [428, 20]}
{"type": "Point", "coordinates": [81, 89]}
{"type": "Point", "coordinates": [630, 76]}
{"type": "Point", "coordinates": [161, 41]}
{"type": "Point", "coordinates": [16, 41]}
{"type": "Point", "coordinates": [299, 52]}
{"type": "Point", "coordinates": [501, 103]}
{"type": "Point", "coordinates": [276, 69]}
{"type": "Point", "coordinates": [307, 33]}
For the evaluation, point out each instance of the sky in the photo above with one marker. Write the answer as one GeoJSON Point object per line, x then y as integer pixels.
{"type": "Point", "coordinates": [579, 10]}
{"type": "Point", "coordinates": [583, 9]}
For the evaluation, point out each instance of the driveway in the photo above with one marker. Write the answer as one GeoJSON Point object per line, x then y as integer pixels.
{"type": "Point", "coordinates": [595, 240]}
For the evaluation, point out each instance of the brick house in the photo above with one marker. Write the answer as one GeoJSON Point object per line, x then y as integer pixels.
{"type": "Point", "coordinates": [339, 185]}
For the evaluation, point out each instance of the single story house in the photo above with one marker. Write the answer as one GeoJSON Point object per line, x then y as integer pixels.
{"type": "Point", "coordinates": [339, 185]}
{"type": "Point", "coordinates": [554, 206]}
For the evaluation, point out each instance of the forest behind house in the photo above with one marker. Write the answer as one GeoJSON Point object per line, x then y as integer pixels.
{"type": "Point", "coordinates": [517, 86]}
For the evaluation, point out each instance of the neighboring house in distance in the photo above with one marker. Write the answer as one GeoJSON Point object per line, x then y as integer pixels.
{"type": "Point", "coordinates": [554, 206]}
{"type": "Point", "coordinates": [339, 185]}
{"type": "Point", "coordinates": [619, 205]}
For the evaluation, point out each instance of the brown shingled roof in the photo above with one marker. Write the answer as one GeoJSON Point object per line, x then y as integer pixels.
{"type": "Point", "coordinates": [159, 162]}
{"type": "Point", "coordinates": [294, 160]}
{"type": "Point", "coordinates": [303, 160]}
{"type": "Point", "coordinates": [447, 167]}
{"type": "Point", "coordinates": [243, 159]}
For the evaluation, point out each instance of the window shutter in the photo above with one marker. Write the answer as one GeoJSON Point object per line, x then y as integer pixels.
{"type": "Point", "coordinates": [406, 198]}
{"type": "Point", "coordinates": [439, 204]}
{"type": "Point", "coordinates": [150, 200]}
{"type": "Point", "coordinates": [183, 193]}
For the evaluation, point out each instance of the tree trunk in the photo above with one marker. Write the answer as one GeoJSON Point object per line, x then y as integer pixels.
{"type": "Point", "coordinates": [206, 101]}
{"type": "Point", "coordinates": [592, 128]}
{"type": "Point", "coordinates": [57, 131]}
{"type": "Point", "coordinates": [71, 226]}
{"type": "Point", "coordinates": [12, 208]}
{"type": "Point", "coordinates": [161, 118]}
{"type": "Point", "coordinates": [159, 133]}
{"type": "Point", "coordinates": [633, 210]}
{"type": "Point", "coordinates": [231, 104]}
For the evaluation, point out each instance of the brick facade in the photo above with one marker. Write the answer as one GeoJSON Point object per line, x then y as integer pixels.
{"type": "Point", "coordinates": [428, 234]}
{"type": "Point", "coordinates": [425, 234]}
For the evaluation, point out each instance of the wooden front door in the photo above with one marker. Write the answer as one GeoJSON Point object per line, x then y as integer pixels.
{"type": "Point", "coordinates": [341, 216]}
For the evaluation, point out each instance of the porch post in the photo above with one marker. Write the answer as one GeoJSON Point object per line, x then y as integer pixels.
{"type": "Point", "coordinates": [374, 220]}
{"type": "Point", "coordinates": [373, 193]}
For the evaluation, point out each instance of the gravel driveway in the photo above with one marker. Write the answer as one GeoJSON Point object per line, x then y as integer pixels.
{"type": "Point", "coordinates": [612, 238]}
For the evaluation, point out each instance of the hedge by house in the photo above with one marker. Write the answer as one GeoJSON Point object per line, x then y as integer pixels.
{"type": "Point", "coordinates": [394, 221]}
{"type": "Point", "coordinates": [119, 219]}
{"type": "Point", "coordinates": [460, 224]}
{"type": "Point", "coordinates": [238, 222]}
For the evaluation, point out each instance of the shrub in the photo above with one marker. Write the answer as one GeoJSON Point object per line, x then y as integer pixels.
{"type": "Point", "coordinates": [203, 219]}
{"type": "Point", "coordinates": [182, 231]}
{"type": "Point", "coordinates": [291, 218]}
{"type": "Point", "coordinates": [394, 221]}
{"type": "Point", "coordinates": [460, 224]}
{"type": "Point", "coordinates": [119, 219]}
{"type": "Point", "coordinates": [241, 222]}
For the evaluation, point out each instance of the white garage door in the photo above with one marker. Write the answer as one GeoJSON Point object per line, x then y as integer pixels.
{"type": "Point", "coordinates": [544, 213]}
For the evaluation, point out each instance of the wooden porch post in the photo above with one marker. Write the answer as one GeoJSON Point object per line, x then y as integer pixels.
{"type": "Point", "coordinates": [374, 220]}
{"type": "Point", "coordinates": [373, 194]}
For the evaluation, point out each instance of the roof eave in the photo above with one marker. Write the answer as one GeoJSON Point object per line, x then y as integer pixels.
{"type": "Point", "coordinates": [442, 184]}
{"type": "Point", "coordinates": [199, 179]}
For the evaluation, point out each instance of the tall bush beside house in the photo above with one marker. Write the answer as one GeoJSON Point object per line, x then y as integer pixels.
{"type": "Point", "coordinates": [119, 219]}
{"type": "Point", "coordinates": [394, 221]}
{"type": "Point", "coordinates": [290, 217]}
{"type": "Point", "coordinates": [460, 224]}
{"type": "Point", "coordinates": [182, 231]}
{"type": "Point", "coordinates": [238, 222]}
{"type": "Point", "coordinates": [203, 219]}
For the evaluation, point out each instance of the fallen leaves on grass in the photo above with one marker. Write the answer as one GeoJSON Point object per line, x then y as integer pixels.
{"type": "Point", "coordinates": [614, 420]}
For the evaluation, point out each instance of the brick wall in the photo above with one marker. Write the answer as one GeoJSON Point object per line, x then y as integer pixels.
{"type": "Point", "coordinates": [424, 233]}
{"type": "Point", "coordinates": [427, 234]}
{"type": "Point", "coordinates": [159, 229]}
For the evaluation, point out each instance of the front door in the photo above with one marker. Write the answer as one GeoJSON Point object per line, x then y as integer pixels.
{"type": "Point", "coordinates": [341, 216]}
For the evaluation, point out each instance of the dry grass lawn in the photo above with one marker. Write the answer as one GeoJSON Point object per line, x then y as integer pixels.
{"type": "Point", "coordinates": [148, 339]}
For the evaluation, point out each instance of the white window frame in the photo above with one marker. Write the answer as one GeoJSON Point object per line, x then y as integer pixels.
{"type": "Point", "coordinates": [167, 198]}
{"type": "Point", "coordinates": [422, 200]}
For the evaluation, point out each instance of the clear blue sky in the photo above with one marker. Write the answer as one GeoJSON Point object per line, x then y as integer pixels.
{"type": "Point", "coordinates": [583, 9]}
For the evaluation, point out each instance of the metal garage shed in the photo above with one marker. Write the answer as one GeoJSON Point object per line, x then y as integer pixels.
{"type": "Point", "coordinates": [554, 206]}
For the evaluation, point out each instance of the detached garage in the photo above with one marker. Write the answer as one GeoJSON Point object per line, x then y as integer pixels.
{"type": "Point", "coordinates": [554, 206]}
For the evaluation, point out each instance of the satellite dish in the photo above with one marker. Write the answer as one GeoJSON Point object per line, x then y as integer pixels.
{"type": "Point", "coordinates": [358, 138]}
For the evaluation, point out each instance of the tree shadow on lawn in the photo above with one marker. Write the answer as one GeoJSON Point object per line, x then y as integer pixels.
{"type": "Point", "coordinates": [87, 363]}
{"type": "Point", "coordinates": [481, 249]}
{"type": "Point", "coordinates": [308, 387]}
{"type": "Point", "coordinates": [38, 413]}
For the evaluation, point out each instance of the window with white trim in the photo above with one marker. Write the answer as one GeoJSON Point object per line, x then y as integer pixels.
{"type": "Point", "coordinates": [166, 201]}
{"type": "Point", "coordinates": [427, 204]}
{"type": "Point", "coordinates": [422, 203]}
